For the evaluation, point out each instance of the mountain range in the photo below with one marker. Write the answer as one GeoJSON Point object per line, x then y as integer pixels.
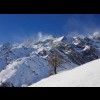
{"type": "Point", "coordinates": [26, 63]}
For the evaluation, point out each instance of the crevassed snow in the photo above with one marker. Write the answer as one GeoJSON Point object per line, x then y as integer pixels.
{"type": "Point", "coordinates": [87, 75]}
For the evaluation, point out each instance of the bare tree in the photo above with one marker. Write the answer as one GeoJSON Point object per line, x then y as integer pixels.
{"type": "Point", "coordinates": [55, 61]}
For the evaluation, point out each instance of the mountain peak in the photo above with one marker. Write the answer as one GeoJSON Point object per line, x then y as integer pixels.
{"type": "Point", "coordinates": [62, 39]}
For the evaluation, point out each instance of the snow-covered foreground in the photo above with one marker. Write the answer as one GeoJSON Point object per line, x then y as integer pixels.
{"type": "Point", "coordinates": [87, 75]}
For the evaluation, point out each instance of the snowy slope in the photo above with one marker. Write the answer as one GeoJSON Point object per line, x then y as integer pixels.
{"type": "Point", "coordinates": [25, 71]}
{"type": "Point", "coordinates": [87, 75]}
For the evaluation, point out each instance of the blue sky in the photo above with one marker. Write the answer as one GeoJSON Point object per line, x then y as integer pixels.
{"type": "Point", "coordinates": [17, 27]}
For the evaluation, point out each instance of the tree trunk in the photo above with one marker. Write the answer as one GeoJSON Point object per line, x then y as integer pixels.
{"type": "Point", "coordinates": [55, 71]}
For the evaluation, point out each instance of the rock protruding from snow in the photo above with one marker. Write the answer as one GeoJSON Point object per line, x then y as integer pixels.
{"type": "Point", "coordinates": [86, 48]}
{"type": "Point", "coordinates": [76, 41]}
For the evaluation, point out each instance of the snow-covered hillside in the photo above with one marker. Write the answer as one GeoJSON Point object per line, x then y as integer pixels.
{"type": "Point", "coordinates": [25, 71]}
{"type": "Point", "coordinates": [87, 75]}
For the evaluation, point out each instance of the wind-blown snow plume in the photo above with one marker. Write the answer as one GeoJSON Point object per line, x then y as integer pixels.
{"type": "Point", "coordinates": [96, 34]}
{"type": "Point", "coordinates": [42, 36]}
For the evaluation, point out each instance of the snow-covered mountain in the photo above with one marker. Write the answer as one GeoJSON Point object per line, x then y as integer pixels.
{"type": "Point", "coordinates": [26, 63]}
{"type": "Point", "coordinates": [87, 75]}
